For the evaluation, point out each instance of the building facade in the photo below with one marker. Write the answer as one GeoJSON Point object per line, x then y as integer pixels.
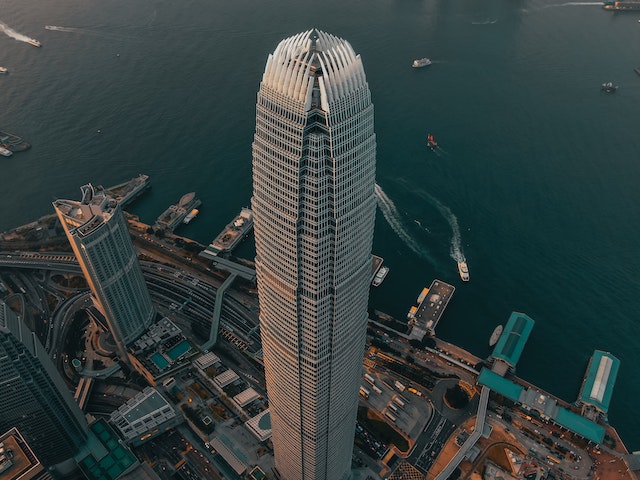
{"type": "Point", "coordinates": [33, 396]}
{"type": "Point", "coordinates": [97, 231]}
{"type": "Point", "coordinates": [314, 206]}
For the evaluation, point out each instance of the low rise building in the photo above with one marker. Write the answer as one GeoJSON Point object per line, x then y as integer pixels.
{"type": "Point", "coordinates": [145, 416]}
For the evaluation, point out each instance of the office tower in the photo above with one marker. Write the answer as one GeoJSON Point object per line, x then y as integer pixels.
{"type": "Point", "coordinates": [33, 396]}
{"type": "Point", "coordinates": [97, 231]}
{"type": "Point", "coordinates": [314, 207]}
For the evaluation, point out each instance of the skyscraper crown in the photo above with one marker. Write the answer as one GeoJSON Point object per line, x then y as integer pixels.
{"type": "Point", "coordinates": [314, 55]}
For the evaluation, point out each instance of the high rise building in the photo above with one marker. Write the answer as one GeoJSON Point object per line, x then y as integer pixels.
{"type": "Point", "coordinates": [33, 396]}
{"type": "Point", "coordinates": [97, 231]}
{"type": "Point", "coordinates": [314, 204]}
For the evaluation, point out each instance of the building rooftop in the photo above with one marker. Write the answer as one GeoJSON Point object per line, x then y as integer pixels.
{"type": "Point", "coordinates": [513, 338]}
{"type": "Point", "coordinates": [146, 402]}
{"type": "Point", "coordinates": [580, 425]}
{"type": "Point", "coordinates": [87, 215]}
{"type": "Point", "coordinates": [260, 425]}
{"type": "Point", "coordinates": [599, 380]}
{"type": "Point", "coordinates": [105, 456]}
{"type": "Point", "coordinates": [17, 460]}
{"type": "Point", "coordinates": [500, 384]}
{"type": "Point", "coordinates": [545, 405]}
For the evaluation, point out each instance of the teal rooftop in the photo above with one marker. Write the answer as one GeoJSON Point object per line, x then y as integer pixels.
{"type": "Point", "coordinates": [513, 338]}
{"type": "Point", "coordinates": [599, 380]}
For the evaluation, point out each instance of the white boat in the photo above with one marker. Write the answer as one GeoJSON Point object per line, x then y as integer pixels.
{"type": "Point", "coordinates": [191, 215]}
{"type": "Point", "coordinates": [34, 42]}
{"type": "Point", "coordinates": [421, 62]}
{"type": "Point", "coordinates": [4, 70]}
{"type": "Point", "coordinates": [463, 270]}
{"type": "Point", "coordinates": [5, 152]}
{"type": "Point", "coordinates": [495, 336]}
{"type": "Point", "coordinates": [380, 274]}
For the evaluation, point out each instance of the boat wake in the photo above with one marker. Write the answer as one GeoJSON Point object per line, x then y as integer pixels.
{"type": "Point", "coordinates": [394, 219]}
{"type": "Point", "coordinates": [455, 245]}
{"type": "Point", "coordinates": [10, 32]}
{"type": "Point", "coordinates": [84, 31]}
{"type": "Point", "coordinates": [486, 22]}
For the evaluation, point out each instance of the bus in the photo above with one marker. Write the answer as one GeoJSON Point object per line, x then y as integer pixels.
{"type": "Point", "coordinates": [390, 416]}
{"type": "Point", "coordinates": [364, 392]}
{"type": "Point", "coordinates": [553, 459]}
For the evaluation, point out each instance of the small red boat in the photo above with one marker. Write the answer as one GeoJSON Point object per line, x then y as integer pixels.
{"type": "Point", "coordinates": [431, 141]}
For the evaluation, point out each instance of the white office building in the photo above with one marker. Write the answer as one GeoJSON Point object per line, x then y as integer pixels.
{"type": "Point", "coordinates": [314, 205]}
{"type": "Point", "coordinates": [97, 231]}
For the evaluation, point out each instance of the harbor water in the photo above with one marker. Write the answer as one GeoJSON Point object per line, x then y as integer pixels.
{"type": "Point", "coordinates": [535, 181]}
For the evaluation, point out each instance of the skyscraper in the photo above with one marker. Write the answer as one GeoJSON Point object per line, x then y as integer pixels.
{"type": "Point", "coordinates": [33, 396]}
{"type": "Point", "coordinates": [314, 206]}
{"type": "Point", "coordinates": [97, 231]}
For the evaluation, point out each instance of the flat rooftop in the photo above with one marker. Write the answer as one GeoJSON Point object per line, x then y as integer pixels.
{"type": "Point", "coordinates": [433, 305]}
{"type": "Point", "coordinates": [23, 463]}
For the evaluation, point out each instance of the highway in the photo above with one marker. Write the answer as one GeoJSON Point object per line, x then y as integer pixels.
{"type": "Point", "coordinates": [188, 293]}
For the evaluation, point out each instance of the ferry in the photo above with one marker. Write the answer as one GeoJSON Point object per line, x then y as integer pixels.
{"type": "Point", "coordinates": [379, 278]}
{"type": "Point", "coordinates": [421, 62]}
{"type": "Point", "coordinates": [191, 215]}
{"type": "Point", "coordinates": [4, 70]}
{"type": "Point", "coordinates": [5, 152]}
{"type": "Point", "coordinates": [463, 270]}
{"type": "Point", "coordinates": [34, 42]}
{"type": "Point", "coordinates": [495, 336]}
{"type": "Point", "coordinates": [622, 6]}
{"type": "Point", "coordinates": [431, 141]}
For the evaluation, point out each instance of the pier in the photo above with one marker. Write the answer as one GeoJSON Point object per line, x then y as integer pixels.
{"type": "Point", "coordinates": [231, 236]}
{"type": "Point", "coordinates": [432, 303]}
{"type": "Point", "coordinates": [127, 192]}
{"type": "Point", "coordinates": [175, 214]}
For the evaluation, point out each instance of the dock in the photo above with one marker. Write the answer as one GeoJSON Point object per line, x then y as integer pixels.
{"type": "Point", "coordinates": [12, 142]}
{"type": "Point", "coordinates": [125, 193]}
{"type": "Point", "coordinates": [432, 303]}
{"type": "Point", "coordinates": [231, 236]}
{"type": "Point", "coordinates": [175, 214]}
{"type": "Point", "coordinates": [375, 266]}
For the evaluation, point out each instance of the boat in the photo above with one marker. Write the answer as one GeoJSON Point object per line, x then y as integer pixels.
{"type": "Point", "coordinates": [609, 87]}
{"type": "Point", "coordinates": [637, 69]}
{"type": "Point", "coordinates": [5, 152]}
{"type": "Point", "coordinates": [4, 70]}
{"type": "Point", "coordinates": [191, 215]}
{"type": "Point", "coordinates": [463, 270]}
{"type": "Point", "coordinates": [421, 62]}
{"type": "Point", "coordinates": [431, 141]}
{"type": "Point", "coordinates": [622, 6]}
{"type": "Point", "coordinates": [379, 278]}
{"type": "Point", "coordinates": [495, 336]}
{"type": "Point", "coordinates": [34, 42]}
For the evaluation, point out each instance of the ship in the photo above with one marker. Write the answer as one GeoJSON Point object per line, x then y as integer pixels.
{"type": "Point", "coordinates": [463, 270]}
{"type": "Point", "coordinates": [4, 70]}
{"type": "Point", "coordinates": [609, 87]}
{"type": "Point", "coordinates": [380, 275]}
{"type": "Point", "coordinates": [622, 6]}
{"type": "Point", "coordinates": [191, 215]}
{"type": "Point", "coordinates": [637, 69]}
{"type": "Point", "coordinates": [421, 62]}
{"type": "Point", "coordinates": [34, 42]}
{"type": "Point", "coordinates": [13, 142]}
{"type": "Point", "coordinates": [431, 141]}
{"type": "Point", "coordinates": [5, 152]}
{"type": "Point", "coordinates": [495, 336]}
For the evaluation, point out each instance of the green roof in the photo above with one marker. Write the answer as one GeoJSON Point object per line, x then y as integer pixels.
{"type": "Point", "coordinates": [599, 380]}
{"type": "Point", "coordinates": [513, 338]}
{"type": "Point", "coordinates": [499, 384]}
{"type": "Point", "coordinates": [580, 425]}
{"type": "Point", "coordinates": [107, 458]}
